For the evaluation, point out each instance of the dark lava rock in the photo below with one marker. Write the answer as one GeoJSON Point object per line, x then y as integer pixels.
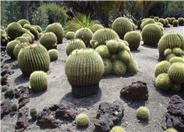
{"type": "Point", "coordinates": [9, 93]}
{"type": "Point", "coordinates": [66, 130]}
{"type": "Point", "coordinates": [66, 110]}
{"type": "Point", "coordinates": [136, 91]}
{"type": "Point", "coordinates": [4, 88]}
{"type": "Point", "coordinates": [23, 101]}
{"type": "Point", "coordinates": [22, 120]}
{"type": "Point", "coordinates": [4, 80]}
{"type": "Point", "coordinates": [6, 108]}
{"type": "Point", "coordinates": [21, 91]}
{"type": "Point", "coordinates": [109, 115]}
{"type": "Point", "coordinates": [175, 113]}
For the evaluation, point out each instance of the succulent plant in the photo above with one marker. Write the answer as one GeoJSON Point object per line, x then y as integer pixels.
{"type": "Point", "coordinates": [112, 46]}
{"type": "Point", "coordinates": [14, 107]}
{"type": "Point", "coordinates": [10, 47]}
{"type": "Point", "coordinates": [132, 67]}
{"type": "Point", "coordinates": [163, 82]}
{"type": "Point", "coordinates": [57, 29]}
{"type": "Point", "coordinates": [26, 31]}
{"type": "Point", "coordinates": [178, 51]}
{"type": "Point", "coordinates": [38, 28]}
{"type": "Point", "coordinates": [38, 81]}
{"type": "Point", "coordinates": [133, 38]}
{"type": "Point", "coordinates": [97, 27]}
{"type": "Point", "coordinates": [82, 120]}
{"type": "Point", "coordinates": [151, 34]}
{"type": "Point", "coordinates": [170, 56]}
{"type": "Point", "coordinates": [175, 23]}
{"type": "Point", "coordinates": [172, 19]}
{"type": "Point", "coordinates": [14, 30]}
{"type": "Point", "coordinates": [74, 44]}
{"type": "Point", "coordinates": [162, 67]}
{"type": "Point", "coordinates": [167, 52]}
{"type": "Point", "coordinates": [143, 113]}
{"type": "Point", "coordinates": [70, 35]}
{"type": "Point", "coordinates": [117, 129]}
{"type": "Point", "coordinates": [107, 66]}
{"type": "Point", "coordinates": [171, 130]}
{"type": "Point", "coordinates": [33, 58]}
{"type": "Point", "coordinates": [28, 37]}
{"type": "Point", "coordinates": [102, 35]}
{"type": "Point", "coordinates": [156, 18]}
{"type": "Point", "coordinates": [118, 67]}
{"type": "Point", "coordinates": [18, 47]}
{"type": "Point", "coordinates": [33, 113]}
{"type": "Point", "coordinates": [22, 22]}
{"type": "Point", "coordinates": [170, 40]}
{"type": "Point", "coordinates": [114, 57]}
{"type": "Point", "coordinates": [176, 59]}
{"type": "Point", "coordinates": [176, 73]}
{"type": "Point", "coordinates": [32, 29]}
{"type": "Point", "coordinates": [84, 69]}
{"type": "Point", "coordinates": [122, 25]}
{"type": "Point", "coordinates": [124, 56]}
{"type": "Point", "coordinates": [22, 39]}
{"type": "Point", "coordinates": [84, 34]}
{"type": "Point", "coordinates": [162, 20]}
{"type": "Point", "coordinates": [48, 40]}
{"type": "Point", "coordinates": [53, 53]}
{"type": "Point", "coordinates": [146, 22]}
{"type": "Point", "coordinates": [4, 88]}
{"type": "Point", "coordinates": [176, 88]}
{"type": "Point", "coordinates": [103, 51]}
{"type": "Point", "coordinates": [4, 38]}
{"type": "Point", "coordinates": [181, 21]}
{"type": "Point", "coordinates": [123, 45]}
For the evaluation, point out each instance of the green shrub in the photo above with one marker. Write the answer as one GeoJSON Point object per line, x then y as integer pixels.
{"type": "Point", "coordinates": [10, 47]}
{"type": "Point", "coordinates": [53, 53]}
{"type": "Point", "coordinates": [18, 47]}
{"type": "Point", "coordinates": [48, 40]}
{"type": "Point", "coordinates": [14, 30]}
{"type": "Point", "coordinates": [162, 67]}
{"type": "Point", "coordinates": [117, 129]}
{"type": "Point", "coordinates": [96, 27]}
{"type": "Point", "coordinates": [143, 113]}
{"type": "Point", "coordinates": [70, 35]}
{"type": "Point", "coordinates": [163, 82]}
{"type": "Point", "coordinates": [118, 67]}
{"type": "Point", "coordinates": [22, 22]}
{"type": "Point", "coordinates": [112, 46]}
{"type": "Point", "coordinates": [107, 66]}
{"type": "Point", "coordinates": [32, 30]}
{"type": "Point", "coordinates": [103, 51]}
{"type": "Point", "coordinates": [82, 120]}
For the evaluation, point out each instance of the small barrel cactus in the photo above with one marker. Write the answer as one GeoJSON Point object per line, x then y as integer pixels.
{"type": "Point", "coordinates": [178, 51]}
{"type": "Point", "coordinates": [4, 38]}
{"type": "Point", "coordinates": [97, 27]}
{"type": "Point", "coordinates": [38, 81]}
{"type": "Point", "coordinates": [102, 35]}
{"type": "Point", "coordinates": [118, 67]}
{"type": "Point", "coordinates": [74, 44]}
{"type": "Point", "coordinates": [84, 34]}
{"type": "Point", "coordinates": [162, 67]}
{"type": "Point", "coordinates": [82, 120]}
{"type": "Point", "coordinates": [175, 23]}
{"type": "Point", "coordinates": [49, 40]}
{"type": "Point", "coordinates": [176, 59]}
{"type": "Point", "coordinates": [30, 34]}
{"type": "Point", "coordinates": [32, 29]}
{"type": "Point", "coordinates": [112, 46]}
{"type": "Point", "coordinates": [122, 25]}
{"type": "Point", "coordinates": [18, 47]}
{"type": "Point", "coordinates": [84, 69]}
{"type": "Point", "coordinates": [133, 38]}
{"type": "Point", "coordinates": [38, 28]}
{"type": "Point", "coordinates": [143, 113]}
{"type": "Point", "coordinates": [103, 51]}
{"type": "Point", "coordinates": [167, 52]}
{"type": "Point", "coordinates": [53, 53]}
{"type": "Point", "coordinates": [33, 113]}
{"type": "Point", "coordinates": [124, 56]}
{"type": "Point", "coordinates": [57, 29]}
{"type": "Point", "coordinates": [22, 22]}
{"type": "Point", "coordinates": [22, 39]}
{"type": "Point", "coordinates": [162, 20]}
{"type": "Point", "coordinates": [181, 21]}
{"type": "Point", "coordinates": [33, 58]}
{"type": "Point", "coordinates": [176, 73]}
{"type": "Point", "coordinates": [146, 21]}
{"type": "Point", "coordinates": [107, 66]}
{"type": "Point", "coordinates": [151, 34]}
{"type": "Point", "coordinates": [132, 67]}
{"type": "Point", "coordinates": [123, 45]}
{"type": "Point", "coordinates": [156, 18]}
{"type": "Point", "coordinates": [163, 82]}
{"type": "Point", "coordinates": [117, 129]}
{"type": "Point", "coordinates": [28, 37]}
{"type": "Point", "coordinates": [14, 30]}
{"type": "Point", "coordinates": [14, 107]}
{"type": "Point", "coordinates": [176, 88]}
{"type": "Point", "coordinates": [10, 47]}
{"type": "Point", "coordinates": [70, 35]}
{"type": "Point", "coordinates": [171, 130]}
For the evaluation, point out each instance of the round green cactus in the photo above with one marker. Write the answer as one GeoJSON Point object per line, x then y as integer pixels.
{"type": "Point", "coordinates": [22, 22]}
{"type": "Point", "coordinates": [84, 34]}
{"type": "Point", "coordinates": [33, 58]}
{"type": "Point", "coordinates": [22, 39]}
{"type": "Point", "coordinates": [49, 40]}
{"type": "Point", "coordinates": [167, 52]}
{"type": "Point", "coordinates": [4, 38]}
{"type": "Point", "coordinates": [162, 20]}
{"type": "Point", "coordinates": [53, 53]}
{"type": "Point", "coordinates": [114, 57]}
{"type": "Point", "coordinates": [156, 18]}
{"type": "Point", "coordinates": [70, 35]}
{"type": "Point", "coordinates": [176, 59]}
{"type": "Point", "coordinates": [122, 45]}
{"type": "Point", "coordinates": [132, 66]}
{"type": "Point", "coordinates": [112, 46]}
{"type": "Point", "coordinates": [124, 56]}
{"type": "Point", "coordinates": [10, 47]}
{"type": "Point", "coordinates": [170, 40]}
{"type": "Point", "coordinates": [151, 34]}
{"type": "Point", "coordinates": [32, 30]}
{"type": "Point", "coordinates": [14, 107]}
{"type": "Point", "coordinates": [84, 69]}
{"type": "Point", "coordinates": [163, 82]}
{"type": "Point", "coordinates": [102, 35]}
{"type": "Point", "coordinates": [146, 22]}
{"type": "Point", "coordinates": [82, 120]}
{"type": "Point", "coordinates": [33, 113]}
{"type": "Point", "coordinates": [18, 47]}
{"type": "Point", "coordinates": [171, 130]}
{"type": "Point", "coordinates": [14, 30]}
{"type": "Point", "coordinates": [133, 38]}
{"type": "Point", "coordinates": [181, 21]}
{"type": "Point", "coordinates": [178, 51]}
{"type": "Point", "coordinates": [118, 67]}
{"type": "Point", "coordinates": [143, 113]}
{"type": "Point", "coordinates": [38, 81]}
{"type": "Point", "coordinates": [103, 51]}
{"type": "Point", "coordinates": [57, 29]}
{"type": "Point", "coordinates": [38, 28]}
{"type": "Point", "coordinates": [28, 37]}
{"type": "Point", "coordinates": [122, 25]}
{"type": "Point", "coordinates": [170, 56]}
{"type": "Point", "coordinates": [176, 88]}
{"type": "Point", "coordinates": [117, 129]}
{"type": "Point", "coordinates": [175, 23]}
{"type": "Point", "coordinates": [107, 66]}
{"type": "Point", "coordinates": [176, 72]}
{"type": "Point", "coordinates": [162, 67]}
{"type": "Point", "coordinates": [26, 31]}
{"type": "Point", "coordinates": [74, 44]}
{"type": "Point", "coordinates": [97, 27]}
{"type": "Point", "coordinates": [172, 19]}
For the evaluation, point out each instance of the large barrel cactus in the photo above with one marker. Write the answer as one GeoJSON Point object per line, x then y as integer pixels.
{"type": "Point", "coordinates": [22, 22]}
{"type": "Point", "coordinates": [49, 40]}
{"type": "Point", "coordinates": [57, 29]}
{"type": "Point", "coordinates": [10, 47]}
{"type": "Point", "coordinates": [151, 34]}
{"type": "Point", "coordinates": [122, 25]}
{"type": "Point", "coordinates": [14, 30]}
{"type": "Point", "coordinates": [84, 69]}
{"type": "Point", "coordinates": [33, 58]}
{"type": "Point", "coordinates": [84, 34]}
{"type": "Point", "coordinates": [102, 35]}
{"type": "Point", "coordinates": [170, 40]}
{"type": "Point", "coordinates": [18, 47]}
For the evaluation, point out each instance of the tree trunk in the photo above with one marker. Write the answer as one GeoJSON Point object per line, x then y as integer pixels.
{"type": "Point", "coordinates": [24, 9]}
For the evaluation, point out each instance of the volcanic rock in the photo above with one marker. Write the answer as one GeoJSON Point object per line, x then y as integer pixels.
{"type": "Point", "coordinates": [6, 108]}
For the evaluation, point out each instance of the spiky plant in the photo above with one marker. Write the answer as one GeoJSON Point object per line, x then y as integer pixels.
{"type": "Point", "coordinates": [122, 25]}
{"type": "Point", "coordinates": [96, 27]}
{"type": "Point", "coordinates": [28, 37]}
{"type": "Point", "coordinates": [107, 66]}
{"type": "Point", "coordinates": [22, 39]}
{"type": "Point", "coordinates": [156, 18]}
{"type": "Point", "coordinates": [132, 67]}
{"type": "Point", "coordinates": [18, 47]}
{"type": "Point", "coordinates": [70, 35]}
{"type": "Point", "coordinates": [38, 28]}
{"type": "Point", "coordinates": [53, 53]}
{"type": "Point", "coordinates": [171, 130]}
{"type": "Point", "coordinates": [175, 23]}
{"type": "Point", "coordinates": [103, 51]}
{"type": "Point", "coordinates": [146, 22]}
{"type": "Point", "coordinates": [22, 22]}
{"type": "Point", "coordinates": [118, 67]}
{"type": "Point", "coordinates": [151, 34]}
{"type": "Point", "coordinates": [4, 38]}
{"type": "Point", "coordinates": [124, 56]}
{"type": "Point", "coordinates": [30, 34]}
{"type": "Point", "coordinates": [82, 120]}
{"type": "Point", "coordinates": [178, 51]}
{"type": "Point", "coordinates": [167, 52]}
{"type": "Point", "coordinates": [84, 77]}
{"type": "Point", "coordinates": [176, 59]}
{"type": "Point", "coordinates": [74, 44]}
{"type": "Point", "coordinates": [117, 129]}
{"type": "Point", "coordinates": [10, 47]}
{"type": "Point", "coordinates": [57, 29]}
{"type": "Point", "coordinates": [181, 21]}
{"type": "Point", "coordinates": [38, 81]}
{"type": "Point", "coordinates": [170, 56]}
{"type": "Point", "coordinates": [143, 113]}
{"type": "Point", "coordinates": [162, 20]}
{"type": "Point", "coordinates": [14, 30]}
{"type": "Point", "coordinates": [162, 67]}
{"type": "Point", "coordinates": [112, 46]}
{"type": "Point", "coordinates": [163, 82]}
{"type": "Point", "coordinates": [33, 58]}
{"type": "Point", "coordinates": [32, 30]}
{"type": "Point", "coordinates": [49, 40]}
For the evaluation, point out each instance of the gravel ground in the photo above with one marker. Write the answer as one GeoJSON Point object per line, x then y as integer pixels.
{"type": "Point", "coordinates": [59, 89]}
